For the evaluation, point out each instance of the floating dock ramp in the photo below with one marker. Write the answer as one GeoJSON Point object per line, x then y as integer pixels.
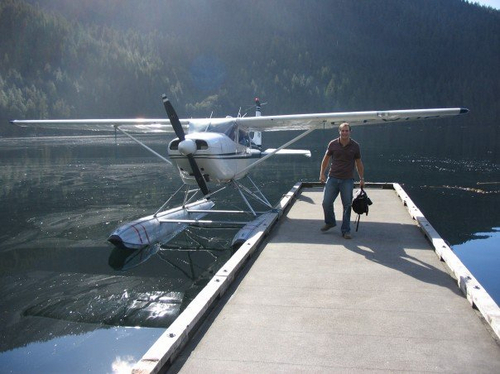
{"type": "Point", "coordinates": [395, 298]}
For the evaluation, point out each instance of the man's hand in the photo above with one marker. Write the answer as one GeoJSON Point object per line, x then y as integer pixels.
{"type": "Point", "coordinates": [322, 178]}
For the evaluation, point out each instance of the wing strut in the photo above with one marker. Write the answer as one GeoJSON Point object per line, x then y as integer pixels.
{"type": "Point", "coordinates": [142, 144]}
{"type": "Point", "coordinates": [297, 138]}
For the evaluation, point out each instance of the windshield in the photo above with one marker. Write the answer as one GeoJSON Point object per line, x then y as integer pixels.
{"type": "Point", "coordinates": [226, 128]}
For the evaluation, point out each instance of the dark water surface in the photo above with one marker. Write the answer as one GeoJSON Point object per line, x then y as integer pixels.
{"type": "Point", "coordinates": [65, 309]}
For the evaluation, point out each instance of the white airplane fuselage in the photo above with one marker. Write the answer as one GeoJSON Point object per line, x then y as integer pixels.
{"type": "Point", "coordinates": [221, 152]}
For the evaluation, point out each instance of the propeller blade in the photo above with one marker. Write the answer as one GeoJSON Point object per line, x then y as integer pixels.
{"type": "Point", "coordinates": [179, 131]}
{"type": "Point", "coordinates": [197, 175]}
{"type": "Point", "coordinates": [174, 119]}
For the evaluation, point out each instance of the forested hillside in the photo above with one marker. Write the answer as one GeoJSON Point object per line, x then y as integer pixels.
{"type": "Point", "coordinates": [67, 59]}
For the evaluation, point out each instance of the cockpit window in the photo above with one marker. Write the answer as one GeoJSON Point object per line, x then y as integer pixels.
{"type": "Point", "coordinates": [196, 127]}
{"type": "Point", "coordinates": [227, 128]}
{"type": "Point", "coordinates": [244, 138]}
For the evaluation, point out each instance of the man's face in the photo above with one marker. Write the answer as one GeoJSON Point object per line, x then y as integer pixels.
{"type": "Point", "coordinates": [345, 132]}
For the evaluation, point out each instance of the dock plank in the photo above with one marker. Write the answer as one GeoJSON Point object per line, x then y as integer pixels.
{"type": "Point", "coordinates": [316, 302]}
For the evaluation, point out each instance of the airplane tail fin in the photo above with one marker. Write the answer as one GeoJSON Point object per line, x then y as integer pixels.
{"type": "Point", "coordinates": [256, 136]}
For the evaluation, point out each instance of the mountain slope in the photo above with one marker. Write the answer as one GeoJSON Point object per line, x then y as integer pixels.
{"type": "Point", "coordinates": [115, 58]}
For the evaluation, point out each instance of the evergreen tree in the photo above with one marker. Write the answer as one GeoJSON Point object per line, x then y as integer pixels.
{"type": "Point", "coordinates": [61, 58]}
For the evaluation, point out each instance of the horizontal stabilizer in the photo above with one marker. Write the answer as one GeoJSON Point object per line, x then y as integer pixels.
{"type": "Point", "coordinates": [299, 152]}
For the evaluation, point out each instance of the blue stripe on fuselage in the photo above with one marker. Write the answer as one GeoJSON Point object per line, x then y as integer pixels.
{"type": "Point", "coordinates": [229, 156]}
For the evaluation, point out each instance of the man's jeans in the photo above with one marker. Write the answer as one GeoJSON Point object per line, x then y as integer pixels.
{"type": "Point", "coordinates": [332, 188]}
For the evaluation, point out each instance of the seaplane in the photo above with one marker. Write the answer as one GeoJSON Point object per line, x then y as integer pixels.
{"type": "Point", "coordinates": [216, 153]}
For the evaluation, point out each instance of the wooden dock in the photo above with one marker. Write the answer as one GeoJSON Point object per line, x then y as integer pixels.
{"type": "Point", "coordinates": [392, 299]}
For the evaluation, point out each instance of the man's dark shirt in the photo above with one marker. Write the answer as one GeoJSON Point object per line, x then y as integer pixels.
{"type": "Point", "coordinates": [343, 158]}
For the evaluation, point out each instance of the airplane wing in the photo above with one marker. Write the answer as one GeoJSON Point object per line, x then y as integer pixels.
{"type": "Point", "coordinates": [147, 125]}
{"type": "Point", "coordinates": [328, 120]}
{"type": "Point", "coordinates": [262, 123]}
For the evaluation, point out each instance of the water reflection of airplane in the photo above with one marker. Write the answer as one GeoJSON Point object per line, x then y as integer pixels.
{"type": "Point", "coordinates": [221, 152]}
{"type": "Point", "coordinates": [179, 258]}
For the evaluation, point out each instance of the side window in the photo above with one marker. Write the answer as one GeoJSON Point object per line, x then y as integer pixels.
{"type": "Point", "coordinates": [231, 132]}
{"type": "Point", "coordinates": [243, 138]}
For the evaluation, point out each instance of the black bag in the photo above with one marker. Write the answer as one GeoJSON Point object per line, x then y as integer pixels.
{"type": "Point", "coordinates": [360, 205]}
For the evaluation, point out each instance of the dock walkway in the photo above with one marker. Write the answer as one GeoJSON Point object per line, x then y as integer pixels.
{"type": "Point", "coordinates": [316, 302]}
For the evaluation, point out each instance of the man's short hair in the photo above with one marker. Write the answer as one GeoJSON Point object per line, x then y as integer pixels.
{"type": "Point", "coordinates": [343, 125]}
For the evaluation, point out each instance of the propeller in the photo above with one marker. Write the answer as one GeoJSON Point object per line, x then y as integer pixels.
{"type": "Point", "coordinates": [187, 147]}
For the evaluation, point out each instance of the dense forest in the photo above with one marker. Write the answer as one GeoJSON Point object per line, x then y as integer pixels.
{"type": "Point", "coordinates": [114, 58]}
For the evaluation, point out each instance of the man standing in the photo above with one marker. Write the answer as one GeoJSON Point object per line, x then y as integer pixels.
{"type": "Point", "coordinates": [345, 154]}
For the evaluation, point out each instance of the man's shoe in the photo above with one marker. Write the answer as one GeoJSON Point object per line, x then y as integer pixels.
{"type": "Point", "coordinates": [328, 226]}
{"type": "Point", "coordinates": [347, 235]}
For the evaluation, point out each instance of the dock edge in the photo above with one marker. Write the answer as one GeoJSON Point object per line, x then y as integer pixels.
{"type": "Point", "coordinates": [476, 294]}
{"type": "Point", "coordinates": [170, 343]}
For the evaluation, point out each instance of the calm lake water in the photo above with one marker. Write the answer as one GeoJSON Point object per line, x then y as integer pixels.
{"type": "Point", "coordinates": [68, 307]}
